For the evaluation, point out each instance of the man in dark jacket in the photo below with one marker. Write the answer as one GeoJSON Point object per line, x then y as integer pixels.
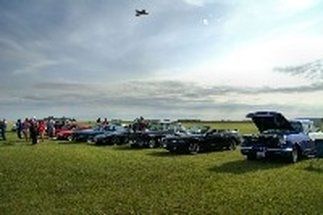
{"type": "Point", "coordinates": [3, 127]}
{"type": "Point", "coordinates": [19, 128]}
{"type": "Point", "coordinates": [33, 131]}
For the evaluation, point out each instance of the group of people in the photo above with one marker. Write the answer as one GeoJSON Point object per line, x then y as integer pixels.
{"type": "Point", "coordinates": [100, 122]}
{"type": "Point", "coordinates": [140, 124]}
{"type": "Point", "coordinates": [30, 129]}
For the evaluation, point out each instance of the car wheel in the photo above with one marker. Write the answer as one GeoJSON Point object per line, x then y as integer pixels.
{"type": "Point", "coordinates": [125, 141]}
{"type": "Point", "coordinates": [152, 143]}
{"type": "Point", "coordinates": [115, 141]}
{"type": "Point", "coordinates": [251, 156]}
{"type": "Point", "coordinates": [194, 148]}
{"type": "Point", "coordinates": [142, 143]}
{"type": "Point", "coordinates": [294, 156]}
{"type": "Point", "coordinates": [232, 145]}
{"type": "Point", "coordinates": [70, 138]}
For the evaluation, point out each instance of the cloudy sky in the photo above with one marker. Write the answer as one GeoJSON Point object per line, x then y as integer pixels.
{"type": "Point", "coordinates": [210, 59]}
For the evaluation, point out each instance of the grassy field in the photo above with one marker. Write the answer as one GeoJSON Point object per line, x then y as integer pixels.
{"type": "Point", "coordinates": [62, 178]}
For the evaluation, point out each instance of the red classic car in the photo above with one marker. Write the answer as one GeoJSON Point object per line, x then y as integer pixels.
{"type": "Point", "coordinates": [65, 133]}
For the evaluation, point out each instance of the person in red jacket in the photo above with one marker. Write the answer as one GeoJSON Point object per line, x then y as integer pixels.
{"type": "Point", "coordinates": [41, 129]}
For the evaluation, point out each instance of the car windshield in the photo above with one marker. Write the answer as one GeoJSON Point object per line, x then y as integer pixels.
{"type": "Point", "coordinates": [155, 127]}
{"type": "Point", "coordinates": [272, 131]}
{"type": "Point", "coordinates": [297, 126]}
{"type": "Point", "coordinates": [164, 126]}
{"type": "Point", "coordinates": [198, 129]}
{"type": "Point", "coordinates": [98, 128]}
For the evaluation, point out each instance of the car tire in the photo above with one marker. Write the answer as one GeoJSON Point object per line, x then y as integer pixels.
{"type": "Point", "coordinates": [194, 148]}
{"type": "Point", "coordinates": [115, 141]}
{"type": "Point", "coordinates": [232, 145]}
{"type": "Point", "coordinates": [251, 156]}
{"type": "Point", "coordinates": [152, 143]}
{"type": "Point", "coordinates": [70, 138]}
{"type": "Point", "coordinates": [295, 155]}
{"type": "Point", "coordinates": [125, 141]}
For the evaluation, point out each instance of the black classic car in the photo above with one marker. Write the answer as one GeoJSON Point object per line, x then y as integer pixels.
{"type": "Point", "coordinates": [87, 135]}
{"type": "Point", "coordinates": [152, 136]}
{"type": "Point", "coordinates": [194, 141]}
{"type": "Point", "coordinates": [117, 135]}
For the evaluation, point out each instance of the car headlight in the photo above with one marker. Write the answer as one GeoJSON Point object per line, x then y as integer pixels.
{"type": "Point", "coordinates": [282, 140]}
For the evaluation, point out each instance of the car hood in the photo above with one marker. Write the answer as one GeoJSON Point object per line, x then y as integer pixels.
{"type": "Point", "coordinates": [100, 136]}
{"type": "Point", "coordinates": [65, 132]}
{"type": "Point", "coordinates": [270, 120]}
{"type": "Point", "coordinates": [183, 136]}
{"type": "Point", "coordinates": [88, 131]}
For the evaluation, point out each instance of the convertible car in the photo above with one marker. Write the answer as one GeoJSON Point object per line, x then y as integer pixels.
{"type": "Point", "coordinates": [153, 135]}
{"type": "Point", "coordinates": [88, 135]}
{"type": "Point", "coordinates": [277, 137]}
{"type": "Point", "coordinates": [198, 140]}
{"type": "Point", "coordinates": [66, 132]}
{"type": "Point", "coordinates": [117, 135]}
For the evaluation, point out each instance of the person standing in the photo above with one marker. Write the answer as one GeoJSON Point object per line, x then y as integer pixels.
{"type": "Point", "coordinates": [25, 129]}
{"type": "Point", "coordinates": [105, 122]}
{"type": "Point", "coordinates": [33, 131]}
{"type": "Point", "coordinates": [19, 128]}
{"type": "Point", "coordinates": [41, 129]}
{"type": "Point", "coordinates": [3, 128]}
{"type": "Point", "coordinates": [98, 122]}
{"type": "Point", "coordinates": [50, 128]}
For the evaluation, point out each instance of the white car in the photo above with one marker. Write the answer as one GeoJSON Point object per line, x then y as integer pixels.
{"type": "Point", "coordinates": [316, 135]}
{"type": "Point", "coordinates": [313, 132]}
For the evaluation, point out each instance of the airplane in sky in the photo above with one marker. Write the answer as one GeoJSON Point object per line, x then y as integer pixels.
{"type": "Point", "coordinates": [141, 12]}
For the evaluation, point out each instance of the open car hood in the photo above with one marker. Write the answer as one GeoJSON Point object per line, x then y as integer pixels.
{"type": "Point", "coordinates": [270, 120]}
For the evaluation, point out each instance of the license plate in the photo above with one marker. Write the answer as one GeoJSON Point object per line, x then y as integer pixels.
{"type": "Point", "coordinates": [261, 154]}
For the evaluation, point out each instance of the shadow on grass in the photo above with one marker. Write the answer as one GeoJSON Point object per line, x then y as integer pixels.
{"type": "Point", "coordinates": [315, 166]}
{"type": "Point", "coordinates": [66, 142]}
{"type": "Point", "coordinates": [128, 148]}
{"type": "Point", "coordinates": [100, 145]}
{"type": "Point", "coordinates": [314, 169]}
{"type": "Point", "coordinates": [167, 154]}
{"type": "Point", "coordinates": [70, 142]}
{"type": "Point", "coordinates": [7, 143]}
{"type": "Point", "coordinates": [245, 166]}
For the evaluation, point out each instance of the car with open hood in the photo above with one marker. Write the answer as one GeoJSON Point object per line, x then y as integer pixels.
{"type": "Point", "coordinates": [202, 139]}
{"type": "Point", "coordinates": [277, 137]}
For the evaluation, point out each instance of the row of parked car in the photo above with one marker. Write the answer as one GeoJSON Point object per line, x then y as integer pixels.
{"type": "Point", "coordinates": [170, 135]}
{"type": "Point", "coordinates": [291, 139]}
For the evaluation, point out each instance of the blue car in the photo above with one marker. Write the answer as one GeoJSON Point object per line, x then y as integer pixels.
{"type": "Point", "coordinates": [277, 137]}
{"type": "Point", "coordinates": [88, 135]}
{"type": "Point", "coordinates": [117, 135]}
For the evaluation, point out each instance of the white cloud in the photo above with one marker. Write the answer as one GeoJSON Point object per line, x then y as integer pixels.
{"type": "Point", "coordinates": [251, 64]}
{"type": "Point", "coordinates": [205, 22]}
{"type": "Point", "coordinates": [199, 3]}
{"type": "Point", "coordinates": [295, 5]}
{"type": "Point", "coordinates": [195, 2]}
{"type": "Point", "coordinates": [35, 67]}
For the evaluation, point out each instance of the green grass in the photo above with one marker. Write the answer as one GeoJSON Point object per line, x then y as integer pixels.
{"type": "Point", "coordinates": [61, 178]}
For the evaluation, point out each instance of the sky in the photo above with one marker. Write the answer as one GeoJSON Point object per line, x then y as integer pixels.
{"type": "Point", "coordinates": [206, 59]}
